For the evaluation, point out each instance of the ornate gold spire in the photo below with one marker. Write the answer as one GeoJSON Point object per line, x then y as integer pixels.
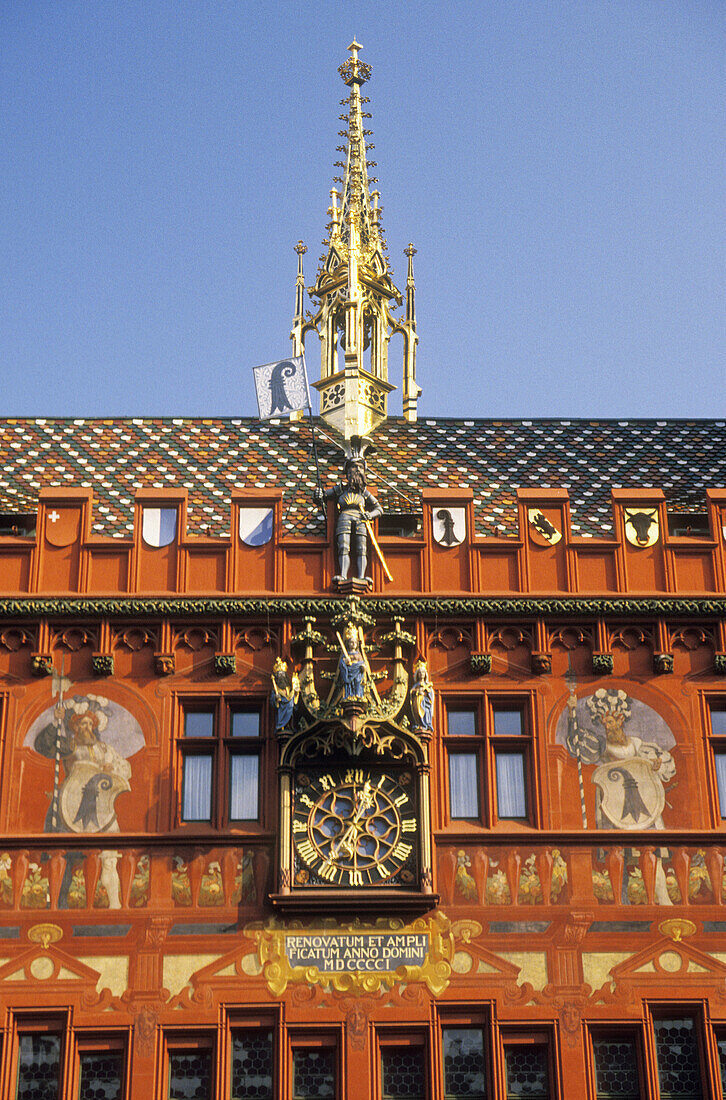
{"type": "Point", "coordinates": [354, 288]}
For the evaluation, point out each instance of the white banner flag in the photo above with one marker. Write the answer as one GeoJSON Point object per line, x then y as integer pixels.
{"type": "Point", "coordinates": [282, 387]}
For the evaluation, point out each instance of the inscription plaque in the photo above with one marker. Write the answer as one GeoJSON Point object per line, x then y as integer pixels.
{"type": "Point", "coordinates": [369, 952]}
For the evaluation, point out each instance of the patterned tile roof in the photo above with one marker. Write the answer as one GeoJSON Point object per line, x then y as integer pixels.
{"type": "Point", "coordinates": [214, 457]}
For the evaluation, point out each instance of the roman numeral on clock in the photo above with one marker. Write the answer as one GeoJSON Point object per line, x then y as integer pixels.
{"type": "Point", "coordinates": [308, 853]}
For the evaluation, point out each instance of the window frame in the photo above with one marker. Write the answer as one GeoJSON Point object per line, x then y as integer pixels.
{"type": "Point", "coordinates": [75, 1042]}
{"type": "Point", "coordinates": [221, 747]}
{"type": "Point", "coordinates": [389, 1038]}
{"type": "Point", "coordinates": [301, 1038]}
{"type": "Point", "coordinates": [603, 1030]}
{"type": "Point", "coordinates": [456, 1017]}
{"type": "Point", "coordinates": [204, 1039]}
{"type": "Point", "coordinates": [666, 1009]}
{"type": "Point", "coordinates": [716, 743]}
{"type": "Point", "coordinates": [508, 1036]}
{"type": "Point", "coordinates": [486, 746]}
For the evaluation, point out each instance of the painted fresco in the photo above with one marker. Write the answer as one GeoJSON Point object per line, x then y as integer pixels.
{"type": "Point", "coordinates": [87, 739]}
{"type": "Point", "coordinates": [627, 744]}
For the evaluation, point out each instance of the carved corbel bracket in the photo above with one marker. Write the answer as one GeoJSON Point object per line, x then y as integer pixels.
{"type": "Point", "coordinates": [225, 664]}
{"type": "Point", "coordinates": [662, 663]}
{"type": "Point", "coordinates": [603, 664]}
{"type": "Point", "coordinates": [542, 664]}
{"type": "Point", "coordinates": [164, 664]}
{"type": "Point", "coordinates": [41, 664]}
{"type": "Point", "coordinates": [102, 664]}
{"type": "Point", "coordinates": [480, 663]}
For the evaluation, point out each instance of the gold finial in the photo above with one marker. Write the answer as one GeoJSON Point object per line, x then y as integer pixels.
{"type": "Point", "coordinates": [354, 71]}
{"type": "Point", "coordinates": [301, 248]}
{"type": "Point", "coordinates": [354, 291]}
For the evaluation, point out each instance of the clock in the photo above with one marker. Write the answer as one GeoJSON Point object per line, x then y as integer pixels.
{"type": "Point", "coordinates": [355, 827]}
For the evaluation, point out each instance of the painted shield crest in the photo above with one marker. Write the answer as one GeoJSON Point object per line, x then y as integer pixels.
{"type": "Point", "coordinates": [449, 526]}
{"type": "Point", "coordinates": [87, 798]}
{"type": "Point", "coordinates": [255, 526]}
{"type": "Point", "coordinates": [62, 526]}
{"type": "Point", "coordinates": [158, 527]}
{"type": "Point", "coordinates": [542, 531]}
{"type": "Point", "coordinates": [631, 795]}
{"type": "Point", "coordinates": [641, 526]}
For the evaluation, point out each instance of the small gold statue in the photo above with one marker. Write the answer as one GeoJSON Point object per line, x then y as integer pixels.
{"type": "Point", "coordinates": [284, 695]}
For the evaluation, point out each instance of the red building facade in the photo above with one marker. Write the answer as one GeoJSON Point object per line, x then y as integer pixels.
{"type": "Point", "coordinates": [456, 835]}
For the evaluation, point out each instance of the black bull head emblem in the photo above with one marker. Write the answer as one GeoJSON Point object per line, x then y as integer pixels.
{"type": "Point", "coordinates": [641, 523]}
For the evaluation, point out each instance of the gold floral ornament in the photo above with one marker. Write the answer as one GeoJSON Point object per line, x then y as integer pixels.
{"type": "Point", "coordinates": [426, 946]}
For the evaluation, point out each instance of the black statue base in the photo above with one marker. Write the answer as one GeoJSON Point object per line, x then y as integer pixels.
{"type": "Point", "coordinates": [352, 586]}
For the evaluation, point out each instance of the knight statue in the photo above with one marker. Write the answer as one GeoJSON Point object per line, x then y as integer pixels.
{"type": "Point", "coordinates": [355, 507]}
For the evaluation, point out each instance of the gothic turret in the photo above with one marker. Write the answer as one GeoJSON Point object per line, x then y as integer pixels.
{"type": "Point", "coordinates": [354, 290]}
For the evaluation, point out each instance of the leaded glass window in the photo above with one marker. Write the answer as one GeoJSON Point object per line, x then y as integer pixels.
{"type": "Point", "coordinates": [526, 1071]}
{"type": "Point", "coordinates": [313, 1073]}
{"type": "Point", "coordinates": [101, 1075]}
{"type": "Point", "coordinates": [464, 1066]}
{"type": "Point", "coordinates": [403, 1073]}
{"type": "Point", "coordinates": [616, 1067]}
{"type": "Point", "coordinates": [190, 1075]}
{"type": "Point", "coordinates": [679, 1072]}
{"type": "Point", "coordinates": [721, 1044]}
{"type": "Point", "coordinates": [252, 1053]}
{"type": "Point", "coordinates": [39, 1055]}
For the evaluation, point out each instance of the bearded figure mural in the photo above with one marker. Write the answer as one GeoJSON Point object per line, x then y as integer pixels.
{"type": "Point", "coordinates": [355, 508]}
{"type": "Point", "coordinates": [86, 739]}
{"type": "Point", "coordinates": [89, 739]}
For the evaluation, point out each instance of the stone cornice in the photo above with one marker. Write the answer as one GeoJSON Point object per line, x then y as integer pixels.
{"type": "Point", "coordinates": [135, 607]}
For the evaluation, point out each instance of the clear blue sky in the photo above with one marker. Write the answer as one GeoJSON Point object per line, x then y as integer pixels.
{"type": "Point", "coordinates": [559, 165]}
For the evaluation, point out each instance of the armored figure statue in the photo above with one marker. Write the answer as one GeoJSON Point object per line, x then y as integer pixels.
{"type": "Point", "coordinates": [422, 698]}
{"type": "Point", "coordinates": [284, 695]}
{"type": "Point", "coordinates": [355, 508]}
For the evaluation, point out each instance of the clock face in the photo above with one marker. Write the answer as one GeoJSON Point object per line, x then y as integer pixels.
{"type": "Point", "coordinates": [354, 827]}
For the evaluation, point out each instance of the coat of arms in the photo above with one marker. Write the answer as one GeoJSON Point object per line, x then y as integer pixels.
{"type": "Point", "coordinates": [449, 526]}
